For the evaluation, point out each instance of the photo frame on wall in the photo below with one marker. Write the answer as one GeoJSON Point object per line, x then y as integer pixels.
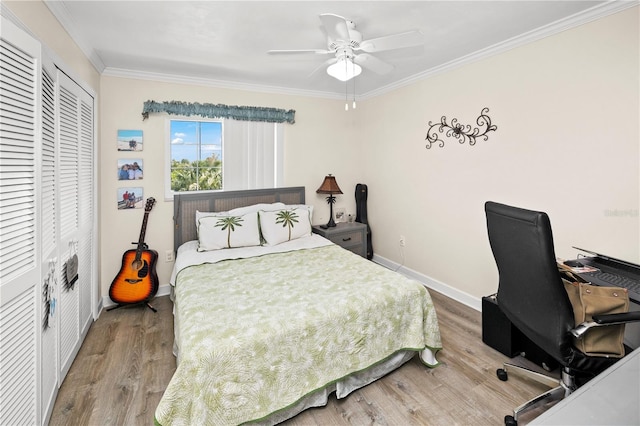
{"type": "Point", "coordinates": [130, 169]}
{"type": "Point", "coordinates": [130, 140]}
{"type": "Point", "coordinates": [130, 198]}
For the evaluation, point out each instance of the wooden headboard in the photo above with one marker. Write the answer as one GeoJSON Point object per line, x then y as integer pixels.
{"type": "Point", "coordinates": [185, 206]}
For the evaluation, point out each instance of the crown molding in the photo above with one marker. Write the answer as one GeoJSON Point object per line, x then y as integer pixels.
{"type": "Point", "coordinates": [589, 15]}
{"type": "Point", "coordinates": [597, 12]}
{"type": "Point", "coordinates": [222, 84]}
{"type": "Point", "coordinates": [60, 12]}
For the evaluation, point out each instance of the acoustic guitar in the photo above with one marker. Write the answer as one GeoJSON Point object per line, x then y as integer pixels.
{"type": "Point", "coordinates": [137, 281]}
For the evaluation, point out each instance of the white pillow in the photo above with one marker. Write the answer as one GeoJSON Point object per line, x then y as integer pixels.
{"type": "Point", "coordinates": [284, 225]}
{"type": "Point", "coordinates": [200, 215]}
{"type": "Point", "coordinates": [257, 207]}
{"type": "Point", "coordinates": [240, 211]}
{"type": "Point", "coordinates": [223, 230]}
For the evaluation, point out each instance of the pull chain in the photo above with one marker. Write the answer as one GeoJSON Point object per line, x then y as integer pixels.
{"type": "Point", "coordinates": [346, 85]}
{"type": "Point", "coordinates": [354, 92]}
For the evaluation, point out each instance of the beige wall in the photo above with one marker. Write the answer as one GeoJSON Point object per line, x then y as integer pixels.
{"type": "Point", "coordinates": [567, 142]}
{"type": "Point", "coordinates": [320, 142]}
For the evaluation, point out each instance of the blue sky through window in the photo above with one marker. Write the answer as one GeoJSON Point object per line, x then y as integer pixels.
{"type": "Point", "coordinates": [195, 140]}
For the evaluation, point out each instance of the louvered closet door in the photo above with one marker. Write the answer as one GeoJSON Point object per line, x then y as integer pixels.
{"type": "Point", "coordinates": [75, 198]}
{"type": "Point", "coordinates": [86, 212]}
{"type": "Point", "coordinates": [49, 367]}
{"type": "Point", "coordinates": [19, 227]}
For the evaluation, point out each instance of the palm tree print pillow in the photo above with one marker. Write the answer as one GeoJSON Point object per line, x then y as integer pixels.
{"type": "Point", "coordinates": [228, 231]}
{"type": "Point", "coordinates": [241, 211]}
{"type": "Point", "coordinates": [284, 225]}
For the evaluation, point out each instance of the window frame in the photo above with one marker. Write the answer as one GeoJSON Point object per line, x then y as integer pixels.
{"type": "Point", "coordinates": [239, 138]}
{"type": "Point", "coordinates": [168, 192]}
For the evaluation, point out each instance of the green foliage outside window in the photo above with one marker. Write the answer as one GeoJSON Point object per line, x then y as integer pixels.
{"type": "Point", "coordinates": [196, 175]}
{"type": "Point", "coordinates": [196, 155]}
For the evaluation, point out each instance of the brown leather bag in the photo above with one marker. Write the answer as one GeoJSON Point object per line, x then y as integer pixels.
{"type": "Point", "coordinates": [589, 300]}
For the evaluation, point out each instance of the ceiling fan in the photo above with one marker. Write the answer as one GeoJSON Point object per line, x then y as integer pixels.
{"type": "Point", "coordinates": [351, 52]}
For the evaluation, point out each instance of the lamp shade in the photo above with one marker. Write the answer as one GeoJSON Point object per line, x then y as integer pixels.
{"type": "Point", "coordinates": [329, 186]}
{"type": "Point", "coordinates": [345, 69]}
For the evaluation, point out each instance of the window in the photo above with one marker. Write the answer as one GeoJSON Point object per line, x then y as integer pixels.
{"type": "Point", "coordinates": [223, 155]}
{"type": "Point", "coordinates": [196, 155]}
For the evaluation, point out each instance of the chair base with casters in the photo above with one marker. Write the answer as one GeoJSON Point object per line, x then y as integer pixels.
{"type": "Point", "coordinates": [559, 388]}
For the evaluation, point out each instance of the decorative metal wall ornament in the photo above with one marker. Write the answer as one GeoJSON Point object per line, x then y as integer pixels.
{"type": "Point", "coordinates": [459, 131]}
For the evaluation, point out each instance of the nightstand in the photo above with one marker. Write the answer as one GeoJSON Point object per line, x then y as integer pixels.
{"type": "Point", "coordinates": [351, 236]}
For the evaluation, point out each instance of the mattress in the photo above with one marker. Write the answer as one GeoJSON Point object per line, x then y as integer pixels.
{"type": "Point", "coordinates": [262, 333]}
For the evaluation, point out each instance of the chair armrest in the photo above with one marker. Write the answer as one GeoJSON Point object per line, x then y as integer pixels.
{"type": "Point", "coordinates": [616, 318]}
{"type": "Point", "coordinates": [604, 320]}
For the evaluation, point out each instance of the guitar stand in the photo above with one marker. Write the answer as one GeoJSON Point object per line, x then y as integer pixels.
{"type": "Point", "coordinates": [133, 304]}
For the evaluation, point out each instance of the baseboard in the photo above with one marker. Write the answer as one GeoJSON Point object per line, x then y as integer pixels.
{"type": "Point", "coordinates": [99, 308]}
{"type": "Point", "coordinates": [440, 287]}
{"type": "Point", "coordinates": [163, 290]}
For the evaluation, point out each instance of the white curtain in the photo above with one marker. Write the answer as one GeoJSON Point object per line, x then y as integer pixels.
{"type": "Point", "coordinates": [252, 155]}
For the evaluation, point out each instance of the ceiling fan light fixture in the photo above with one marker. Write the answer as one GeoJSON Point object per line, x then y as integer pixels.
{"type": "Point", "coordinates": [344, 69]}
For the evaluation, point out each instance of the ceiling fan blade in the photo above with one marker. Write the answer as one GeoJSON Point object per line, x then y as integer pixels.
{"type": "Point", "coordinates": [372, 63]}
{"type": "Point", "coordinates": [336, 26]}
{"type": "Point", "coordinates": [395, 41]}
{"type": "Point", "coordinates": [304, 51]}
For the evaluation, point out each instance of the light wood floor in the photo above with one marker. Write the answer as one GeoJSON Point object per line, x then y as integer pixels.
{"type": "Point", "coordinates": [126, 362]}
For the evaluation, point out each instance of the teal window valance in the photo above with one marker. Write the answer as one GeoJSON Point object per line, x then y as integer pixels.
{"type": "Point", "coordinates": [244, 113]}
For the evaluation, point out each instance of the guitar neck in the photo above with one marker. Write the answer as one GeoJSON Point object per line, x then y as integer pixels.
{"type": "Point", "coordinates": [143, 229]}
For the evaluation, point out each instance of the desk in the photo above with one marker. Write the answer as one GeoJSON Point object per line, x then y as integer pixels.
{"type": "Point", "coordinates": [612, 398]}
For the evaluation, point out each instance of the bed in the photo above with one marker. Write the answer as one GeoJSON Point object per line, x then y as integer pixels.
{"type": "Point", "coordinates": [264, 331]}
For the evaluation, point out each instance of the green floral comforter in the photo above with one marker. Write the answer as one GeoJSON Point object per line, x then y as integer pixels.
{"type": "Point", "coordinates": [256, 335]}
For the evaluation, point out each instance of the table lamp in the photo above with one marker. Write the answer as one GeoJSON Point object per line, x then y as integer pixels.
{"type": "Point", "coordinates": [329, 186]}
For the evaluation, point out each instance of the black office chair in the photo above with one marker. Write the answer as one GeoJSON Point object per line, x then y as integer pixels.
{"type": "Point", "coordinates": [532, 296]}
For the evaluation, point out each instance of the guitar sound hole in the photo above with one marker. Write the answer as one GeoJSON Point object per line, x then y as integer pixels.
{"type": "Point", "coordinates": [142, 272]}
{"type": "Point", "coordinates": [142, 266]}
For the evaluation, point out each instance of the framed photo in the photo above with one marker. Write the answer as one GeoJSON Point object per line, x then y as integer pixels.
{"type": "Point", "coordinates": [130, 169]}
{"type": "Point", "coordinates": [130, 198]}
{"type": "Point", "coordinates": [130, 140]}
{"type": "Point", "coordinates": [340, 214]}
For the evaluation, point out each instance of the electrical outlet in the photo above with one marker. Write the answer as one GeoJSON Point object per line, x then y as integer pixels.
{"type": "Point", "coordinates": [402, 241]}
{"type": "Point", "coordinates": [168, 256]}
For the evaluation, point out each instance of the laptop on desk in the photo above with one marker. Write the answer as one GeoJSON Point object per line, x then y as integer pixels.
{"type": "Point", "coordinates": [611, 272]}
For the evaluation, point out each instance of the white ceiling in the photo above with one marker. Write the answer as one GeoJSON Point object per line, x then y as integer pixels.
{"type": "Point", "coordinates": [226, 42]}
